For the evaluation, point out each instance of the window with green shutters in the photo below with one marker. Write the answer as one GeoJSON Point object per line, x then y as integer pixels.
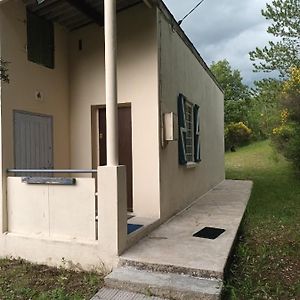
{"type": "Point", "coordinates": [40, 40]}
{"type": "Point", "coordinates": [189, 131]}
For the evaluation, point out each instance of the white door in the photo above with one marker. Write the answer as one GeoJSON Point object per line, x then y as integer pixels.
{"type": "Point", "coordinates": [33, 141]}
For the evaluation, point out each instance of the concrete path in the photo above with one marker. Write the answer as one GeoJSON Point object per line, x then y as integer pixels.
{"type": "Point", "coordinates": [172, 246]}
{"type": "Point", "coordinates": [173, 264]}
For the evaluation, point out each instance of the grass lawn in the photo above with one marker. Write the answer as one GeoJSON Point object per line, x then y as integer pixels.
{"type": "Point", "coordinates": [22, 280]}
{"type": "Point", "coordinates": [266, 264]}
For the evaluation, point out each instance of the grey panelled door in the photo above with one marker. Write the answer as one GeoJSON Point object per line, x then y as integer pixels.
{"type": "Point", "coordinates": [33, 141]}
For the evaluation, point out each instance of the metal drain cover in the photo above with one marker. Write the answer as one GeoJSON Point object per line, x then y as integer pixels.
{"type": "Point", "coordinates": [209, 233]}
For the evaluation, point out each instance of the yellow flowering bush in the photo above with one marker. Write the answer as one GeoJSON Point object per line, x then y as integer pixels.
{"type": "Point", "coordinates": [291, 95]}
{"type": "Point", "coordinates": [284, 116]}
{"type": "Point", "coordinates": [293, 84]}
{"type": "Point", "coordinates": [236, 134]}
{"type": "Point", "coordinates": [284, 131]}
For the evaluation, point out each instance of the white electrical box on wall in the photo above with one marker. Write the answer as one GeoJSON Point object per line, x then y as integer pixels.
{"type": "Point", "coordinates": [170, 127]}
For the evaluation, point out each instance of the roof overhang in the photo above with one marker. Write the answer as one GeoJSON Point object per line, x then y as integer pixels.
{"type": "Point", "coordinates": [74, 14]}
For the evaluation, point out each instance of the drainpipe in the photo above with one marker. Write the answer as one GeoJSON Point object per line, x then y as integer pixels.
{"type": "Point", "coordinates": [110, 31]}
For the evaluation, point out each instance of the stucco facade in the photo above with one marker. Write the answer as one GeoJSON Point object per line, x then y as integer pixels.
{"type": "Point", "coordinates": [181, 72]}
{"type": "Point", "coordinates": [155, 64]}
{"type": "Point", "coordinates": [137, 86]}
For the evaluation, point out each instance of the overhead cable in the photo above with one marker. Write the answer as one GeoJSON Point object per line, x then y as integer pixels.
{"type": "Point", "coordinates": [190, 12]}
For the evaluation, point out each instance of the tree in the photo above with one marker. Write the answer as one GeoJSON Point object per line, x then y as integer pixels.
{"type": "Point", "coordinates": [230, 80]}
{"type": "Point", "coordinates": [286, 134]}
{"type": "Point", "coordinates": [3, 71]}
{"type": "Point", "coordinates": [291, 95]}
{"type": "Point", "coordinates": [236, 94]}
{"type": "Point", "coordinates": [263, 112]}
{"type": "Point", "coordinates": [285, 53]}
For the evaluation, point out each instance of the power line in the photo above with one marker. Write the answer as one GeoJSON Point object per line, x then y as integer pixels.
{"type": "Point", "coordinates": [191, 11]}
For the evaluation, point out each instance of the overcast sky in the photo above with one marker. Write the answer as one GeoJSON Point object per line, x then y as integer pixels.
{"type": "Point", "coordinates": [225, 29]}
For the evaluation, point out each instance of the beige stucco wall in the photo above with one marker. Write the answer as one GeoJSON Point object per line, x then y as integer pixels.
{"type": "Point", "coordinates": [181, 72]}
{"type": "Point", "coordinates": [26, 78]}
{"type": "Point", "coordinates": [137, 85]}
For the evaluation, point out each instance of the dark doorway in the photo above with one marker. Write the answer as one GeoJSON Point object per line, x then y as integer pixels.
{"type": "Point", "coordinates": [125, 145]}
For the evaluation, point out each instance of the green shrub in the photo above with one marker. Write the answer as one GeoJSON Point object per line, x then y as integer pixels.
{"type": "Point", "coordinates": [236, 134]}
{"type": "Point", "coordinates": [286, 135]}
{"type": "Point", "coordinates": [286, 140]}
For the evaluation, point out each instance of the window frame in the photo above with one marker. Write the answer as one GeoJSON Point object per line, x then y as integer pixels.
{"type": "Point", "coordinates": [190, 155]}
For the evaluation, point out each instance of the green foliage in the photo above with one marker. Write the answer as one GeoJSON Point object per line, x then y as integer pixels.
{"type": "Point", "coordinates": [287, 132]}
{"type": "Point", "coordinates": [3, 71]}
{"type": "Point", "coordinates": [236, 94]}
{"type": "Point", "coordinates": [286, 140]}
{"type": "Point", "coordinates": [236, 134]}
{"type": "Point", "coordinates": [263, 109]}
{"type": "Point", "coordinates": [285, 53]}
{"type": "Point", "coordinates": [230, 81]}
{"type": "Point", "coordinates": [235, 111]}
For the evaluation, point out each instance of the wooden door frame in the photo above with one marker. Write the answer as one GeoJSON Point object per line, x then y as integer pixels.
{"type": "Point", "coordinates": [95, 130]}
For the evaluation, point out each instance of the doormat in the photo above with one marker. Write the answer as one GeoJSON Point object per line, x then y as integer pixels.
{"type": "Point", "coordinates": [133, 227]}
{"type": "Point", "coordinates": [210, 233]}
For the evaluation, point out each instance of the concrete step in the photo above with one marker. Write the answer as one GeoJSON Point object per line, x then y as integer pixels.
{"type": "Point", "coordinates": [116, 294]}
{"type": "Point", "coordinates": [168, 268]}
{"type": "Point", "coordinates": [164, 285]}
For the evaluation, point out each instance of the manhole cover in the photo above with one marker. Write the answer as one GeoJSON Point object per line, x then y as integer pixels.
{"type": "Point", "coordinates": [209, 233]}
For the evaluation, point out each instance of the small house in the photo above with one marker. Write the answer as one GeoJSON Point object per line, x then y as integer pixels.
{"type": "Point", "coordinates": [111, 123]}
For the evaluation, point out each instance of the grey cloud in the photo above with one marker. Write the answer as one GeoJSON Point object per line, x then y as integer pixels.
{"type": "Point", "coordinates": [225, 29]}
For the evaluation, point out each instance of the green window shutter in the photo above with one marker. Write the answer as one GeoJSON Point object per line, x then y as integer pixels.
{"type": "Point", "coordinates": [40, 40]}
{"type": "Point", "coordinates": [182, 130]}
{"type": "Point", "coordinates": [33, 38]}
{"type": "Point", "coordinates": [48, 45]}
{"type": "Point", "coordinates": [197, 149]}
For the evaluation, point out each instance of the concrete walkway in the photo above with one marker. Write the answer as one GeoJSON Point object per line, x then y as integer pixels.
{"type": "Point", "coordinates": [172, 263]}
{"type": "Point", "coordinates": [172, 246]}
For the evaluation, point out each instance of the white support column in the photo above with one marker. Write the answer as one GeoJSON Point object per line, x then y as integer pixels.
{"type": "Point", "coordinates": [112, 194]}
{"type": "Point", "coordinates": [112, 207]}
{"type": "Point", "coordinates": [110, 29]}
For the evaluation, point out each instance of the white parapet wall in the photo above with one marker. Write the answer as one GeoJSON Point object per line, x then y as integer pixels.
{"type": "Point", "coordinates": [54, 225]}
{"type": "Point", "coordinates": [58, 212]}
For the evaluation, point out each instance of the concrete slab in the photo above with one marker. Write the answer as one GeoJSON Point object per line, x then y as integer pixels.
{"type": "Point", "coordinates": [148, 226]}
{"type": "Point", "coordinates": [116, 294]}
{"type": "Point", "coordinates": [169, 286]}
{"type": "Point", "coordinates": [172, 247]}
